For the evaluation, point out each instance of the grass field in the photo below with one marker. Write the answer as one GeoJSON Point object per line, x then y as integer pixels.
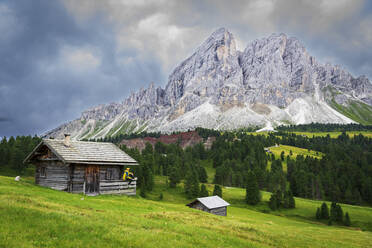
{"type": "Point", "coordinates": [323, 134]}
{"type": "Point", "coordinates": [295, 152]}
{"type": "Point", "coordinates": [334, 134]}
{"type": "Point", "coordinates": [32, 216]}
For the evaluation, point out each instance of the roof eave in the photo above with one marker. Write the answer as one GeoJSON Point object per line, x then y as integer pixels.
{"type": "Point", "coordinates": [27, 159]}
{"type": "Point", "coordinates": [99, 162]}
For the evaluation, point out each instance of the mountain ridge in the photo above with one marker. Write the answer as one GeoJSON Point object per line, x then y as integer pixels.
{"type": "Point", "coordinates": [273, 81]}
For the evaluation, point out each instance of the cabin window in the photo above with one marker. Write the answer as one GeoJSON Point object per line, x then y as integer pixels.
{"type": "Point", "coordinates": [109, 174]}
{"type": "Point", "coordinates": [42, 172]}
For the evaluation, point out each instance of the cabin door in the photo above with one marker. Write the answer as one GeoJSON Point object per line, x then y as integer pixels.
{"type": "Point", "coordinates": [91, 179]}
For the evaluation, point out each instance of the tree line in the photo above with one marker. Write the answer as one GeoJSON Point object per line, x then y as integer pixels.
{"type": "Point", "coordinates": [14, 150]}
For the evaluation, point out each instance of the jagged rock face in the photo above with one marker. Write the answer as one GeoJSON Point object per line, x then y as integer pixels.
{"type": "Point", "coordinates": [273, 81]}
{"type": "Point", "coordinates": [214, 66]}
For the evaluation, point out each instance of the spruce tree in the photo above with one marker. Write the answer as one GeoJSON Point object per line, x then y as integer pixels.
{"type": "Point", "coordinates": [203, 177]}
{"type": "Point", "coordinates": [292, 202]}
{"type": "Point", "coordinates": [217, 190]}
{"type": "Point", "coordinates": [279, 198]}
{"type": "Point", "coordinates": [174, 177]}
{"type": "Point", "coordinates": [318, 215]}
{"type": "Point", "coordinates": [203, 191]}
{"type": "Point", "coordinates": [143, 189]}
{"type": "Point", "coordinates": [347, 220]}
{"type": "Point", "coordinates": [339, 214]}
{"type": "Point", "coordinates": [333, 212]}
{"type": "Point", "coordinates": [273, 204]}
{"type": "Point", "coordinates": [324, 211]}
{"type": "Point", "coordinates": [188, 184]}
{"type": "Point", "coordinates": [195, 189]}
{"type": "Point", "coordinates": [253, 195]}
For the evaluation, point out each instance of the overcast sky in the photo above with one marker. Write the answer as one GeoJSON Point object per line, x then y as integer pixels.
{"type": "Point", "coordinates": [58, 58]}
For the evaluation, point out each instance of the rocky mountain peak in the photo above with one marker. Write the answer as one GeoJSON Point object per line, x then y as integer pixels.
{"type": "Point", "coordinates": [273, 81]}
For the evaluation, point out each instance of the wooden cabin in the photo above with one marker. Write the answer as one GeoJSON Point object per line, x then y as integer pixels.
{"type": "Point", "coordinates": [81, 167]}
{"type": "Point", "coordinates": [211, 204]}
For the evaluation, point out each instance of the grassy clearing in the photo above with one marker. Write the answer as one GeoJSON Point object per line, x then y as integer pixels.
{"type": "Point", "coordinates": [334, 134]}
{"type": "Point", "coordinates": [295, 152]}
{"type": "Point", "coordinates": [32, 216]}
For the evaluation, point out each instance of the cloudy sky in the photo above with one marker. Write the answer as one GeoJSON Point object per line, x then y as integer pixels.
{"type": "Point", "coordinates": [58, 58]}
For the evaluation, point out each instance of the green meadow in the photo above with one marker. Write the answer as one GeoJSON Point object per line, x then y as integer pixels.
{"type": "Point", "coordinates": [322, 134]}
{"type": "Point", "coordinates": [292, 152]}
{"type": "Point", "coordinates": [33, 216]}
{"type": "Point", "coordinates": [334, 134]}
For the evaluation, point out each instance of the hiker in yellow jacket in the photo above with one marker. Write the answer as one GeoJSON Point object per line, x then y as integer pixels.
{"type": "Point", "coordinates": [128, 175]}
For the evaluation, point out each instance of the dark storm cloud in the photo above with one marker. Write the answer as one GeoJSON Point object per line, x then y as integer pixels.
{"type": "Point", "coordinates": [53, 67]}
{"type": "Point", "coordinates": [58, 58]}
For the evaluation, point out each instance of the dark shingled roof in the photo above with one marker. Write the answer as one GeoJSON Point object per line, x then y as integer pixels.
{"type": "Point", "coordinates": [86, 152]}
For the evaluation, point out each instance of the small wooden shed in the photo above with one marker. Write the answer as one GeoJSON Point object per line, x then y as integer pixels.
{"type": "Point", "coordinates": [211, 204]}
{"type": "Point", "coordinates": [81, 167]}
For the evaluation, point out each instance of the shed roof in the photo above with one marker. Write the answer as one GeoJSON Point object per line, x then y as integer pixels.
{"type": "Point", "coordinates": [212, 202]}
{"type": "Point", "coordinates": [85, 152]}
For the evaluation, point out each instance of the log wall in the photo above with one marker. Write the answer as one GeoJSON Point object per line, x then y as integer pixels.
{"type": "Point", "coordinates": [56, 174]}
{"type": "Point", "coordinates": [72, 178]}
{"type": "Point", "coordinates": [117, 187]}
{"type": "Point", "coordinates": [77, 178]}
{"type": "Point", "coordinates": [217, 211]}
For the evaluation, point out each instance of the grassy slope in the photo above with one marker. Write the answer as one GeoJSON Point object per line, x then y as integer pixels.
{"type": "Point", "coordinates": [335, 134]}
{"type": "Point", "coordinates": [331, 134]}
{"type": "Point", "coordinates": [295, 152]}
{"type": "Point", "coordinates": [32, 216]}
{"type": "Point", "coordinates": [357, 111]}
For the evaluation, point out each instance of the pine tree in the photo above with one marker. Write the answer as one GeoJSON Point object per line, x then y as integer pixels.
{"type": "Point", "coordinates": [318, 215]}
{"type": "Point", "coordinates": [347, 220]}
{"type": "Point", "coordinates": [292, 202]}
{"type": "Point", "coordinates": [217, 190]}
{"type": "Point", "coordinates": [143, 189]}
{"type": "Point", "coordinates": [188, 183]}
{"type": "Point", "coordinates": [195, 189]}
{"type": "Point", "coordinates": [191, 185]}
{"type": "Point", "coordinates": [203, 191]}
{"type": "Point", "coordinates": [174, 177]}
{"type": "Point", "coordinates": [324, 211]}
{"type": "Point", "coordinates": [279, 198]}
{"type": "Point", "coordinates": [282, 155]}
{"type": "Point", "coordinates": [286, 200]}
{"type": "Point", "coordinates": [253, 195]}
{"type": "Point", "coordinates": [203, 177]}
{"type": "Point", "coordinates": [273, 204]}
{"type": "Point", "coordinates": [339, 214]}
{"type": "Point", "coordinates": [333, 212]}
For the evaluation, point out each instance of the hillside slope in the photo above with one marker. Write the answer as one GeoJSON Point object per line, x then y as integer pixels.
{"type": "Point", "coordinates": [32, 216]}
{"type": "Point", "coordinates": [273, 81]}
